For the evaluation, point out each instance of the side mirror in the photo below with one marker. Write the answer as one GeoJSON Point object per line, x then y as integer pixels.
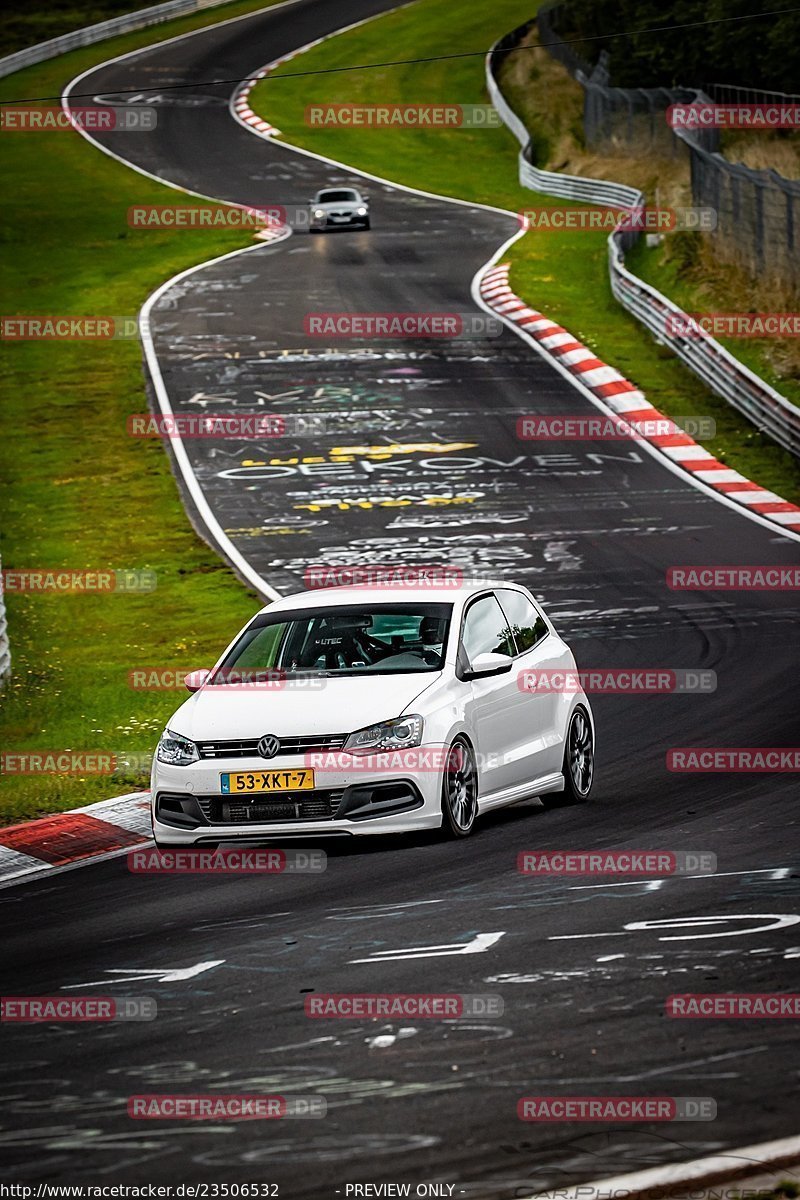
{"type": "Point", "coordinates": [489, 664]}
{"type": "Point", "coordinates": [195, 679]}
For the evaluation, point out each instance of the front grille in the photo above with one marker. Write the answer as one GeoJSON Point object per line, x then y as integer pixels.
{"type": "Point", "coordinates": [248, 748]}
{"type": "Point", "coordinates": [315, 806]}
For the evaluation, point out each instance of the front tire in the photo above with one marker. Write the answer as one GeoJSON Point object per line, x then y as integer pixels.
{"type": "Point", "coordinates": [578, 765]}
{"type": "Point", "coordinates": [459, 791]}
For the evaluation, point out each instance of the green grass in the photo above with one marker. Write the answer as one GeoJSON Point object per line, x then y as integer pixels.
{"type": "Point", "coordinates": [22, 27]}
{"type": "Point", "coordinates": [80, 493]}
{"type": "Point", "coordinates": [665, 267]}
{"type": "Point", "coordinates": [564, 274]}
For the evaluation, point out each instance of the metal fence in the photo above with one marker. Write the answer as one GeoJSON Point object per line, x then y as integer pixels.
{"type": "Point", "coordinates": [758, 210]}
{"type": "Point", "coordinates": [633, 118]}
{"type": "Point", "coordinates": [98, 33]}
{"type": "Point", "coordinates": [734, 93]}
{"type": "Point", "coordinates": [757, 214]}
{"type": "Point", "coordinates": [770, 412]}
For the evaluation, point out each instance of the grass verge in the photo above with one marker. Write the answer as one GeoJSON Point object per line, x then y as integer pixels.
{"type": "Point", "coordinates": [23, 27]}
{"type": "Point", "coordinates": [79, 493]}
{"type": "Point", "coordinates": [562, 273]}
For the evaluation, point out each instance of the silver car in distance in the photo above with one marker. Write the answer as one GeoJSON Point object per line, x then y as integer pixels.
{"type": "Point", "coordinates": [340, 206]}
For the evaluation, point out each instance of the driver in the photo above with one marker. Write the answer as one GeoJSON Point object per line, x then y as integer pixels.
{"type": "Point", "coordinates": [431, 634]}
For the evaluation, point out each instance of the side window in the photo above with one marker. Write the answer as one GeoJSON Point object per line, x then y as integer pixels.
{"type": "Point", "coordinates": [528, 625]}
{"type": "Point", "coordinates": [486, 630]}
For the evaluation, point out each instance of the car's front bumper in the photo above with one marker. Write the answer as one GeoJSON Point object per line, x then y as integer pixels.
{"type": "Point", "coordinates": [330, 222]}
{"type": "Point", "coordinates": [189, 809]}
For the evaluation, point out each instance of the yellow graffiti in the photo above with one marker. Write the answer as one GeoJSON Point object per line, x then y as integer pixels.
{"type": "Point", "coordinates": [346, 505]}
{"type": "Point", "coordinates": [400, 448]}
{"type": "Point", "coordinates": [345, 454]}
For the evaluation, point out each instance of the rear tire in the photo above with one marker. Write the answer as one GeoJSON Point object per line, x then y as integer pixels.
{"type": "Point", "coordinates": [578, 765]}
{"type": "Point", "coordinates": [459, 791]}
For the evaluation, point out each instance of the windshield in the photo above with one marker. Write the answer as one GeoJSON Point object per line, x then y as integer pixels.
{"type": "Point", "coordinates": [335, 197]}
{"type": "Point", "coordinates": [384, 639]}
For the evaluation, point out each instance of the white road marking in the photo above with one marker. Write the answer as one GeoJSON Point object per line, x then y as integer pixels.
{"type": "Point", "coordinates": [779, 921]}
{"type": "Point", "coordinates": [661, 1180]}
{"type": "Point", "coordinates": [479, 944]}
{"type": "Point", "coordinates": [157, 975]}
{"type": "Point", "coordinates": [773, 872]}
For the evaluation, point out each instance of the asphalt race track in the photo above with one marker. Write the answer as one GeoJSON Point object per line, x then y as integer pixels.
{"type": "Point", "coordinates": [419, 462]}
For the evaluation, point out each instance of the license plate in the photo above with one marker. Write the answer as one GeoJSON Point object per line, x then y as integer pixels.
{"type": "Point", "coordinates": [235, 782]}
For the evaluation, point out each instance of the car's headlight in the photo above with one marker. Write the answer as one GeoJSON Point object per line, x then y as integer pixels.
{"type": "Point", "coordinates": [176, 750]}
{"type": "Point", "coordinates": [399, 734]}
{"type": "Point", "coordinates": [361, 212]}
{"type": "Point", "coordinates": [319, 212]}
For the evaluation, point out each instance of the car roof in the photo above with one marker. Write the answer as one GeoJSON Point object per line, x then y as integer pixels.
{"type": "Point", "coordinates": [332, 596]}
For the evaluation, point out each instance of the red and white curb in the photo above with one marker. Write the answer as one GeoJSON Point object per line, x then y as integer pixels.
{"type": "Point", "coordinates": [683, 1178]}
{"type": "Point", "coordinates": [240, 105]}
{"type": "Point", "coordinates": [626, 400]}
{"type": "Point", "coordinates": [72, 838]}
{"type": "Point", "coordinates": [244, 112]}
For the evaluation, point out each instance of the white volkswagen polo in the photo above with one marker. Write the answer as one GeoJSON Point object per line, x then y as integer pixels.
{"type": "Point", "coordinates": [365, 710]}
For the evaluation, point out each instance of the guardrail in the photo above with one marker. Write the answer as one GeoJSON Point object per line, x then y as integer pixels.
{"type": "Point", "coordinates": [768, 410]}
{"type": "Point", "coordinates": [568, 187]}
{"type": "Point", "coordinates": [5, 649]}
{"type": "Point", "coordinates": [98, 33]}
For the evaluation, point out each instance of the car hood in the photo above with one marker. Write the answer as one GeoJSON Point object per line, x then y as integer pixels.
{"type": "Point", "coordinates": [340, 205]}
{"type": "Point", "coordinates": [340, 705]}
